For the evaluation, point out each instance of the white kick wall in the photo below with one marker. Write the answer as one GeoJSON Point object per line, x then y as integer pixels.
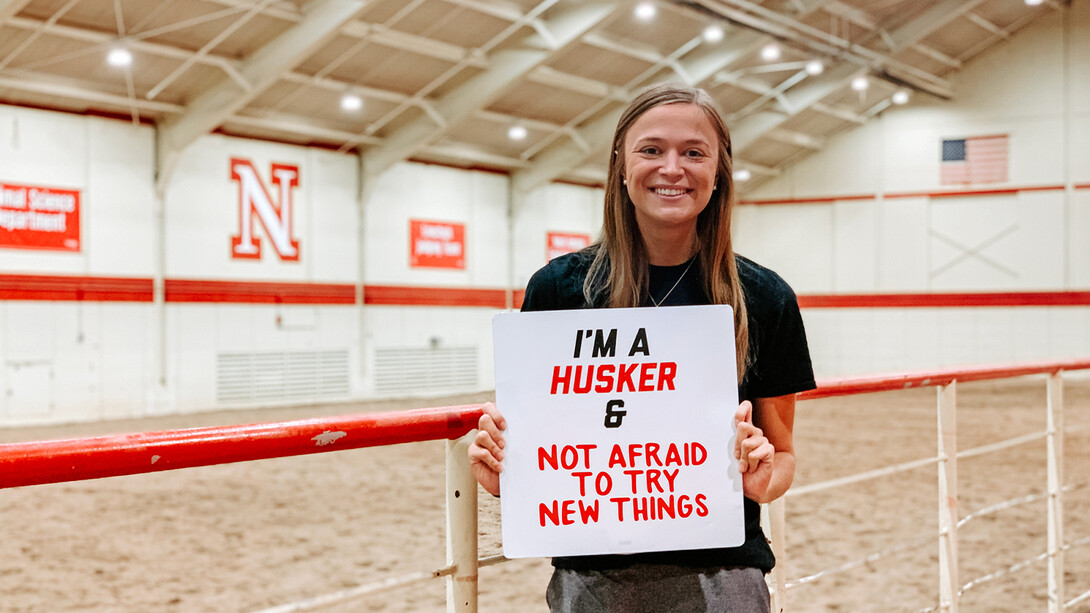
{"type": "Point", "coordinates": [883, 225]}
{"type": "Point", "coordinates": [352, 318]}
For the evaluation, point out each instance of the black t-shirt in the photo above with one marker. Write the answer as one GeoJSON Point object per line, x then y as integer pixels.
{"type": "Point", "coordinates": [779, 365]}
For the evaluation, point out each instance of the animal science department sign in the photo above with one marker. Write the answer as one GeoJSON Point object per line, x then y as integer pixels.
{"type": "Point", "coordinates": [35, 217]}
{"type": "Point", "coordinates": [620, 431]}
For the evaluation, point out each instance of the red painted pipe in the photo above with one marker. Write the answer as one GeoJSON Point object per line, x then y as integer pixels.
{"type": "Point", "coordinates": [40, 462]}
{"type": "Point", "coordinates": [36, 463]}
{"type": "Point", "coordinates": [884, 383]}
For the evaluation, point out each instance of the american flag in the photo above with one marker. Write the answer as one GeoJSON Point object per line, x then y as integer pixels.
{"type": "Point", "coordinates": [979, 159]}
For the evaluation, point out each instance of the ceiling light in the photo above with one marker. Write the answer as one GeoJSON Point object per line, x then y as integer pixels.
{"type": "Point", "coordinates": [770, 52]}
{"type": "Point", "coordinates": [645, 11]}
{"type": "Point", "coordinates": [860, 83]}
{"type": "Point", "coordinates": [119, 56]}
{"type": "Point", "coordinates": [713, 34]}
{"type": "Point", "coordinates": [900, 96]}
{"type": "Point", "coordinates": [517, 132]}
{"type": "Point", "coordinates": [351, 102]}
{"type": "Point", "coordinates": [742, 175]}
{"type": "Point", "coordinates": [815, 67]}
{"type": "Point", "coordinates": [1034, 2]}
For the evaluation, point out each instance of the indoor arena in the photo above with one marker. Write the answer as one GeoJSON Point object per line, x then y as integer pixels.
{"type": "Point", "coordinates": [285, 283]}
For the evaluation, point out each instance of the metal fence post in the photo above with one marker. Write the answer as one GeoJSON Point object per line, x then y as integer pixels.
{"type": "Point", "coordinates": [776, 511]}
{"type": "Point", "coordinates": [948, 497]}
{"type": "Point", "coordinates": [1055, 438]}
{"type": "Point", "coordinates": [461, 528]}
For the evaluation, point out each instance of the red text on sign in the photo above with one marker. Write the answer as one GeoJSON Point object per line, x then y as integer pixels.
{"type": "Point", "coordinates": [646, 508]}
{"type": "Point", "coordinates": [688, 454]}
{"type": "Point", "coordinates": [563, 512]}
{"type": "Point", "coordinates": [567, 457]}
{"type": "Point", "coordinates": [610, 378]}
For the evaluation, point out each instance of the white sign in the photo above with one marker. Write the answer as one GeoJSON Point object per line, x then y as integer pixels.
{"type": "Point", "coordinates": [620, 430]}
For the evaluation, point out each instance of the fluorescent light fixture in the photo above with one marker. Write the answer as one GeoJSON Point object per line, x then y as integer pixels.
{"type": "Point", "coordinates": [815, 67]}
{"type": "Point", "coordinates": [860, 83]}
{"type": "Point", "coordinates": [517, 132]}
{"type": "Point", "coordinates": [900, 96]}
{"type": "Point", "coordinates": [1034, 2]}
{"type": "Point", "coordinates": [351, 102]}
{"type": "Point", "coordinates": [119, 56]}
{"type": "Point", "coordinates": [742, 175]}
{"type": "Point", "coordinates": [646, 11]}
{"type": "Point", "coordinates": [770, 52]}
{"type": "Point", "coordinates": [713, 33]}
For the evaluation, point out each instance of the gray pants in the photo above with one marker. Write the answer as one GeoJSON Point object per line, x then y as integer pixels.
{"type": "Point", "coordinates": [654, 588]}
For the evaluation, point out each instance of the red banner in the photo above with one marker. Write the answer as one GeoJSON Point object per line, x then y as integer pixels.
{"type": "Point", "coordinates": [33, 217]}
{"type": "Point", "coordinates": [437, 244]}
{"type": "Point", "coordinates": [560, 243]}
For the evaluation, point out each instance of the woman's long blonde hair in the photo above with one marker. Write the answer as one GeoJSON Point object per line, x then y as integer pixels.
{"type": "Point", "coordinates": [618, 275]}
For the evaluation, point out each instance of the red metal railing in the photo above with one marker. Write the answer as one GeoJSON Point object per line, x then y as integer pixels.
{"type": "Point", "coordinates": [78, 459]}
{"type": "Point", "coordinates": [929, 378]}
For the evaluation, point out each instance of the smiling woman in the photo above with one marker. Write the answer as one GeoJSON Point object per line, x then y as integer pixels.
{"type": "Point", "coordinates": [666, 241]}
{"type": "Point", "coordinates": [671, 161]}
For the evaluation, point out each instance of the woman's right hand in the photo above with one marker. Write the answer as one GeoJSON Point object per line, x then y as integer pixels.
{"type": "Point", "coordinates": [486, 451]}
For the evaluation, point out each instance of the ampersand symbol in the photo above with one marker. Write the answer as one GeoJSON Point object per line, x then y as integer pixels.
{"type": "Point", "coordinates": [613, 416]}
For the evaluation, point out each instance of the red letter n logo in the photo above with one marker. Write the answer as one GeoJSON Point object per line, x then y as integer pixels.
{"type": "Point", "coordinates": [253, 197]}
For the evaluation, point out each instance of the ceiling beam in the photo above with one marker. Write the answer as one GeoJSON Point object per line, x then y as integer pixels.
{"type": "Point", "coordinates": [694, 67]}
{"type": "Point", "coordinates": [752, 127]}
{"type": "Point", "coordinates": [10, 8]}
{"type": "Point", "coordinates": [929, 21]}
{"type": "Point", "coordinates": [260, 70]}
{"type": "Point", "coordinates": [34, 83]}
{"type": "Point", "coordinates": [756, 125]}
{"type": "Point", "coordinates": [788, 28]}
{"type": "Point", "coordinates": [505, 67]}
{"type": "Point", "coordinates": [797, 139]}
{"type": "Point", "coordinates": [863, 20]}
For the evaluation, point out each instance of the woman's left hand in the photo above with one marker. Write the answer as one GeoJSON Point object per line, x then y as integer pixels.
{"type": "Point", "coordinates": [755, 454]}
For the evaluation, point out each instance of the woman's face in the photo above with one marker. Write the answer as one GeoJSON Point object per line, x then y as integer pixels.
{"type": "Point", "coordinates": [671, 158]}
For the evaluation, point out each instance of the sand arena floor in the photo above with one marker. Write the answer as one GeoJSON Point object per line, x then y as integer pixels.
{"type": "Point", "coordinates": [249, 536]}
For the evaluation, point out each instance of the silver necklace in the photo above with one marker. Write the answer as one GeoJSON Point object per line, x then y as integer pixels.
{"type": "Point", "coordinates": [676, 283]}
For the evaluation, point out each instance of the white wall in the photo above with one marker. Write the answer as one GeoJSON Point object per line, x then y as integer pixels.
{"type": "Point", "coordinates": [84, 360]}
{"type": "Point", "coordinates": [904, 239]}
{"type": "Point", "coordinates": [73, 360]}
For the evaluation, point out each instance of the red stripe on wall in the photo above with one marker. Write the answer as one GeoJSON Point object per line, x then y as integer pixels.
{"type": "Point", "coordinates": [250, 292]}
{"type": "Point", "coordinates": [938, 194]}
{"type": "Point", "coordinates": [107, 289]}
{"type": "Point", "coordinates": [816, 200]}
{"type": "Point", "coordinates": [1083, 186]}
{"type": "Point", "coordinates": [70, 288]}
{"type": "Point", "coordinates": [976, 192]}
{"type": "Point", "coordinates": [981, 299]}
{"type": "Point", "coordinates": [391, 295]}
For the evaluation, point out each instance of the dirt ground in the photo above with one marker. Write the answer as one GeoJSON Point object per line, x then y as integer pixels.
{"type": "Point", "coordinates": [251, 536]}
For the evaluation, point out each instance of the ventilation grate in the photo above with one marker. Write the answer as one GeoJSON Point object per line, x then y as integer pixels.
{"type": "Point", "coordinates": [413, 370]}
{"type": "Point", "coordinates": [281, 376]}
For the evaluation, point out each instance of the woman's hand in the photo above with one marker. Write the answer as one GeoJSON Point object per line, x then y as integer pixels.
{"type": "Point", "coordinates": [486, 451]}
{"type": "Point", "coordinates": [764, 447]}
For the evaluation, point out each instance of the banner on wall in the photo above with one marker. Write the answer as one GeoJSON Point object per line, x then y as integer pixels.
{"type": "Point", "coordinates": [36, 217]}
{"type": "Point", "coordinates": [437, 244]}
{"type": "Point", "coordinates": [560, 243]}
{"type": "Point", "coordinates": [620, 431]}
{"type": "Point", "coordinates": [256, 205]}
